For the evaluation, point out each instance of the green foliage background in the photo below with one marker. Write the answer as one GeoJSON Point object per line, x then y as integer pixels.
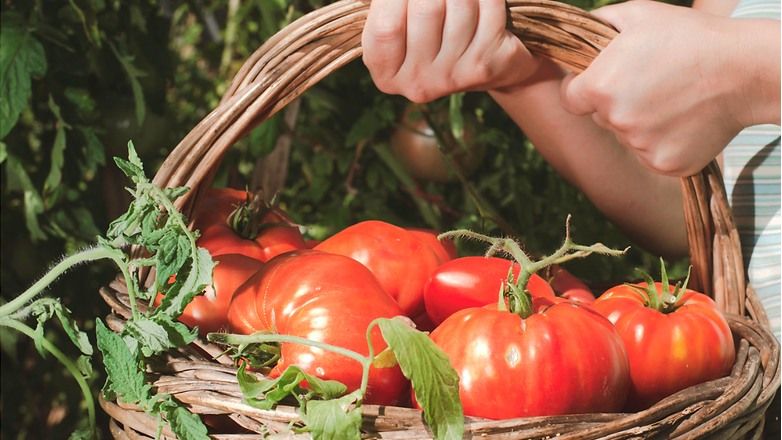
{"type": "Point", "coordinates": [82, 77]}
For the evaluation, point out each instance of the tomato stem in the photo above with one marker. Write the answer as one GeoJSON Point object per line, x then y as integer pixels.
{"type": "Point", "coordinates": [91, 254]}
{"type": "Point", "coordinates": [72, 369]}
{"type": "Point", "coordinates": [519, 298]}
{"type": "Point", "coordinates": [665, 301]}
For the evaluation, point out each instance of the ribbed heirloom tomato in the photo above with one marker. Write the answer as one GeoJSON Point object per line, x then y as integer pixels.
{"type": "Point", "coordinates": [327, 298]}
{"type": "Point", "coordinates": [673, 340]}
{"type": "Point", "coordinates": [562, 358]}
{"type": "Point", "coordinates": [231, 224]}
{"type": "Point", "coordinates": [472, 282]}
{"type": "Point", "coordinates": [400, 261]}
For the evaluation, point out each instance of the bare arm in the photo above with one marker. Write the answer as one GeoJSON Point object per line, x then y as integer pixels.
{"type": "Point", "coordinates": [638, 201]}
{"type": "Point", "coordinates": [661, 101]}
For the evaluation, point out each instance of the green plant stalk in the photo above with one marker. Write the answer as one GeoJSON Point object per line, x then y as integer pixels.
{"type": "Point", "coordinates": [520, 300]}
{"type": "Point", "coordinates": [91, 254]}
{"type": "Point", "coordinates": [484, 207]}
{"type": "Point", "coordinates": [429, 214]}
{"type": "Point", "coordinates": [259, 338]}
{"type": "Point", "coordinates": [72, 369]}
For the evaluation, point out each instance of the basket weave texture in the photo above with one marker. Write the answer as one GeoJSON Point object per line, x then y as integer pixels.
{"type": "Point", "coordinates": [321, 42]}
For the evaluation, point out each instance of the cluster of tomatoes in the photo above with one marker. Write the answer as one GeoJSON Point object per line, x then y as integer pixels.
{"type": "Point", "coordinates": [567, 353]}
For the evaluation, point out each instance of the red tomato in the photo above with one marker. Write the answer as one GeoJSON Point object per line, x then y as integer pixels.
{"type": "Point", "coordinates": [275, 236]}
{"type": "Point", "coordinates": [444, 249]}
{"type": "Point", "coordinates": [400, 261]}
{"type": "Point", "coordinates": [209, 311]}
{"type": "Point", "coordinates": [472, 282]}
{"type": "Point", "coordinates": [567, 285]}
{"type": "Point", "coordinates": [668, 351]}
{"type": "Point", "coordinates": [323, 297]}
{"type": "Point", "coordinates": [564, 358]}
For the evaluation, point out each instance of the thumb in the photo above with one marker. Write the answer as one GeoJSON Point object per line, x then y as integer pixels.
{"type": "Point", "coordinates": [573, 96]}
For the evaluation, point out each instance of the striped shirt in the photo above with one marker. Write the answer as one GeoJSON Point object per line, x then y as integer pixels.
{"type": "Point", "coordinates": [752, 180]}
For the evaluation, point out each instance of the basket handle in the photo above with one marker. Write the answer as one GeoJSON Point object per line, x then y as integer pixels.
{"type": "Point", "coordinates": [310, 48]}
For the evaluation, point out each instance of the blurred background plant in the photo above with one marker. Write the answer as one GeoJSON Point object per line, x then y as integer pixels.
{"type": "Point", "coordinates": [82, 77]}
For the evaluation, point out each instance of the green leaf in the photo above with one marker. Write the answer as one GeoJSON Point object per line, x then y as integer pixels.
{"type": "Point", "coordinates": [265, 393]}
{"type": "Point", "coordinates": [200, 272]}
{"type": "Point", "coordinates": [125, 379]}
{"type": "Point", "coordinates": [21, 58]}
{"type": "Point", "coordinates": [336, 419]}
{"type": "Point", "coordinates": [158, 333]}
{"type": "Point", "coordinates": [435, 382]}
{"type": "Point", "coordinates": [133, 74]}
{"type": "Point", "coordinates": [54, 178]}
{"type": "Point", "coordinates": [83, 433]}
{"type": "Point", "coordinates": [93, 153]}
{"type": "Point", "coordinates": [132, 167]}
{"type": "Point", "coordinates": [78, 337]}
{"type": "Point", "coordinates": [186, 425]}
{"type": "Point", "coordinates": [175, 193]}
{"type": "Point", "coordinates": [19, 180]}
{"type": "Point", "coordinates": [3, 152]}
{"type": "Point", "coordinates": [80, 98]}
{"type": "Point", "coordinates": [89, 22]}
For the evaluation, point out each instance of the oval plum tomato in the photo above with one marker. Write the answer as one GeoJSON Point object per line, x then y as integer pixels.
{"type": "Point", "coordinates": [209, 312]}
{"type": "Point", "coordinates": [323, 297]}
{"type": "Point", "coordinates": [260, 232]}
{"type": "Point", "coordinates": [400, 261]}
{"type": "Point", "coordinates": [472, 282]}
{"type": "Point", "coordinates": [670, 345]}
{"type": "Point", "coordinates": [567, 285]}
{"type": "Point", "coordinates": [564, 358]}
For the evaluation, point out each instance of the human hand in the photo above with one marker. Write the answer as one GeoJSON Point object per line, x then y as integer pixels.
{"type": "Point", "coordinates": [426, 49]}
{"type": "Point", "coordinates": [669, 85]}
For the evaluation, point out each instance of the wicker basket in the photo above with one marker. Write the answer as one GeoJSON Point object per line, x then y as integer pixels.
{"type": "Point", "coordinates": [317, 44]}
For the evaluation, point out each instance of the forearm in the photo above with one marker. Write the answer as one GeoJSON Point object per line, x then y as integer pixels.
{"type": "Point", "coordinates": [756, 55]}
{"type": "Point", "coordinates": [647, 206]}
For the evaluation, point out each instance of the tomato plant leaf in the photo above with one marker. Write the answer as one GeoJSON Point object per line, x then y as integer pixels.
{"type": "Point", "coordinates": [335, 419]}
{"type": "Point", "coordinates": [125, 379]}
{"type": "Point", "coordinates": [186, 425]}
{"type": "Point", "coordinates": [54, 178]}
{"type": "Point", "coordinates": [133, 74]}
{"type": "Point", "coordinates": [264, 393]}
{"type": "Point", "coordinates": [132, 167]}
{"type": "Point", "coordinates": [21, 58]}
{"type": "Point", "coordinates": [158, 333]}
{"type": "Point", "coordinates": [385, 359]}
{"type": "Point", "coordinates": [78, 337]}
{"type": "Point", "coordinates": [199, 274]}
{"type": "Point", "coordinates": [435, 382]}
{"type": "Point", "coordinates": [93, 152]}
{"type": "Point", "coordinates": [19, 180]}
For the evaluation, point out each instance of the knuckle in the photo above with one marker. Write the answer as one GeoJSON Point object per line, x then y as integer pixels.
{"type": "Point", "coordinates": [386, 30]}
{"type": "Point", "coordinates": [427, 8]}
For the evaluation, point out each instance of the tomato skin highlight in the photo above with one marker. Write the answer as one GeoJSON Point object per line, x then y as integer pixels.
{"type": "Point", "coordinates": [211, 219]}
{"type": "Point", "coordinates": [323, 297]}
{"type": "Point", "coordinates": [472, 282]}
{"type": "Point", "coordinates": [563, 359]}
{"type": "Point", "coordinates": [400, 261]}
{"type": "Point", "coordinates": [668, 352]}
